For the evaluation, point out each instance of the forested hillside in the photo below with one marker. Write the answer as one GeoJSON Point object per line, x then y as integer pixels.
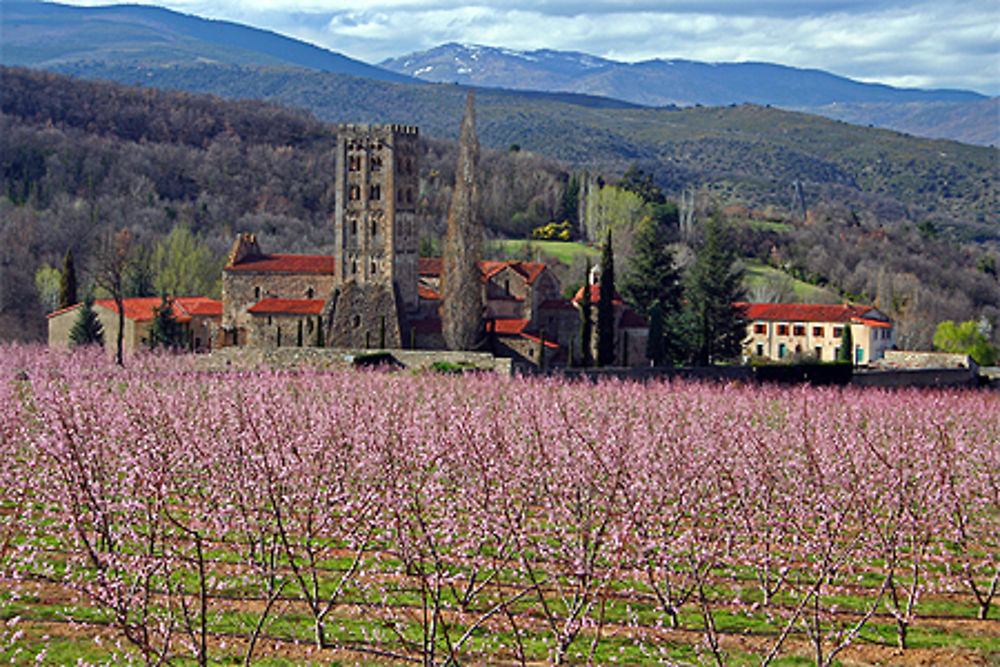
{"type": "Point", "coordinates": [755, 151]}
{"type": "Point", "coordinates": [82, 157]}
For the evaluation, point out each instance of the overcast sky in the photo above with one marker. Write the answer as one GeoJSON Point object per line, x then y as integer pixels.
{"type": "Point", "coordinates": [927, 44]}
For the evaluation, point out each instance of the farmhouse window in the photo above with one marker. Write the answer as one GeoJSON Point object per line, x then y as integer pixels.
{"type": "Point", "coordinates": [838, 332]}
{"type": "Point", "coordinates": [799, 330]}
{"type": "Point", "coordinates": [759, 328]}
{"type": "Point", "coordinates": [782, 329]}
{"type": "Point", "coordinates": [818, 331]}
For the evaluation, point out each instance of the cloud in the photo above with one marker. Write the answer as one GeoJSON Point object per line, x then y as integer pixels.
{"type": "Point", "coordinates": [927, 44]}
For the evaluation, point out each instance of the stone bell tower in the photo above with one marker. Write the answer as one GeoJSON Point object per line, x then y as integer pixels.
{"type": "Point", "coordinates": [376, 233]}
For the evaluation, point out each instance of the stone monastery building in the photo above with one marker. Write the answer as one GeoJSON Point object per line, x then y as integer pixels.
{"type": "Point", "coordinates": [375, 291]}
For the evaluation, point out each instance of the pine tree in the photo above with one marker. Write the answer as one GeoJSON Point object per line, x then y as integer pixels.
{"type": "Point", "coordinates": [605, 306]}
{"type": "Point", "coordinates": [461, 292]}
{"type": "Point", "coordinates": [653, 275]}
{"type": "Point", "coordinates": [165, 329]}
{"type": "Point", "coordinates": [715, 284]}
{"type": "Point", "coordinates": [67, 282]}
{"type": "Point", "coordinates": [586, 325]}
{"type": "Point", "coordinates": [87, 329]}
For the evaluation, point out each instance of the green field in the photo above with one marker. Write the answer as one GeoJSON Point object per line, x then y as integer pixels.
{"type": "Point", "coordinates": [758, 273]}
{"type": "Point", "coordinates": [564, 251]}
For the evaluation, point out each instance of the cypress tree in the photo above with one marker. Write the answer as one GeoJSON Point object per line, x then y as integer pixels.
{"type": "Point", "coordinates": [847, 345]}
{"type": "Point", "coordinates": [67, 282]}
{"type": "Point", "coordinates": [655, 348]}
{"type": "Point", "coordinates": [461, 291]}
{"type": "Point", "coordinates": [605, 306]}
{"type": "Point", "coordinates": [586, 332]}
{"type": "Point", "coordinates": [87, 329]}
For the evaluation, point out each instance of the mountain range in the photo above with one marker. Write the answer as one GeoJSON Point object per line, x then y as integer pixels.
{"type": "Point", "coordinates": [48, 35]}
{"type": "Point", "coordinates": [955, 114]}
{"type": "Point", "coordinates": [85, 40]}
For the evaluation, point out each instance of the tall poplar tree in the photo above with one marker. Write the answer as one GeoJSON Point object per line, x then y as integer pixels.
{"type": "Point", "coordinates": [586, 325]}
{"type": "Point", "coordinates": [67, 282]}
{"type": "Point", "coordinates": [461, 291]}
{"type": "Point", "coordinates": [605, 306]}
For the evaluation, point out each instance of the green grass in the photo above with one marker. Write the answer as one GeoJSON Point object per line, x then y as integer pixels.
{"type": "Point", "coordinates": [758, 273]}
{"type": "Point", "coordinates": [564, 251]}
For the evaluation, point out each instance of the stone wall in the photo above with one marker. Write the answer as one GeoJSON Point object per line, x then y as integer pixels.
{"type": "Point", "coordinates": [913, 359]}
{"type": "Point", "coordinates": [342, 359]}
{"type": "Point", "coordinates": [242, 289]}
{"type": "Point", "coordinates": [920, 377]}
{"type": "Point", "coordinates": [356, 314]}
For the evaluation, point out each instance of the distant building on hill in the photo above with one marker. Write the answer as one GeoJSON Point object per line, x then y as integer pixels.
{"type": "Point", "coordinates": [781, 330]}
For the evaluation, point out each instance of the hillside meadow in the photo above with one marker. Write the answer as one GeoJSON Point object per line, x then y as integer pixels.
{"type": "Point", "coordinates": [162, 514]}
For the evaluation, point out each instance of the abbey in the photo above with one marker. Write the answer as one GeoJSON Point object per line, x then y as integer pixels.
{"type": "Point", "coordinates": [366, 292]}
{"type": "Point", "coordinates": [375, 291]}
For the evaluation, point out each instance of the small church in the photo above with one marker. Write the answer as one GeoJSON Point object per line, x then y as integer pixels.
{"type": "Point", "coordinates": [376, 292]}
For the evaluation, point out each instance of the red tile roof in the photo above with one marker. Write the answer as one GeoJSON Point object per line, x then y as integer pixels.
{"type": "Point", "coordinates": [873, 323]}
{"type": "Point", "coordinates": [804, 312]}
{"type": "Point", "coordinates": [595, 295]}
{"type": "Point", "coordinates": [200, 306]}
{"type": "Point", "coordinates": [430, 266]}
{"type": "Point", "coordinates": [285, 264]}
{"type": "Point", "coordinates": [287, 307]}
{"type": "Point", "coordinates": [434, 266]}
{"type": "Point", "coordinates": [140, 309]}
{"type": "Point", "coordinates": [510, 325]}
{"type": "Point", "coordinates": [425, 292]}
{"type": "Point", "coordinates": [536, 339]}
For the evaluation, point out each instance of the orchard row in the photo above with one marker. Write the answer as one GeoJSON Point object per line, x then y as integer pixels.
{"type": "Point", "coordinates": [446, 519]}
